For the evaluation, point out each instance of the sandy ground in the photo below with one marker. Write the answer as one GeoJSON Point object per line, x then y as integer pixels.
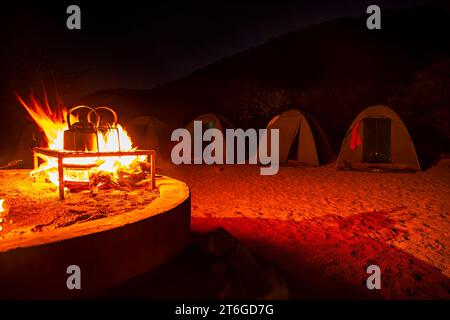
{"type": "Point", "coordinates": [34, 206]}
{"type": "Point", "coordinates": [322, 228]}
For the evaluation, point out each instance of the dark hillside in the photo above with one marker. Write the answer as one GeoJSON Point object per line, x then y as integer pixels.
{"type": "Point", "coordinates": [331, 71]}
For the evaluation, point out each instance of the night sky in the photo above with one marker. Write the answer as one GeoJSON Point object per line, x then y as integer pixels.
{"type": "Point", "coordinates": [142, 44]}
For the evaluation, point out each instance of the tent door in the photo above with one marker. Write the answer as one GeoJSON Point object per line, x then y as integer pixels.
{"type": "Point", "coordinates": [377, 140]}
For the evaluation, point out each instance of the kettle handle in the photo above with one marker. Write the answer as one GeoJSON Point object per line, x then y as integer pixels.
{"type": "Point", "coordinates": [98, 116]}
{"type": "Point", "coordinates": [69, 113]}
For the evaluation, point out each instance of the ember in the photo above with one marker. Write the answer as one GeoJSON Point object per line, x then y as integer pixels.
{"type": "Point", "coordinates": [2, 209]}
{"type": "Point", "coordinates": [85, 152]}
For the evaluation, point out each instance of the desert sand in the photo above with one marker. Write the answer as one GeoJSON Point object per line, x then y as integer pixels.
{"type": "Point", "coordinates": [321, 228]}
{"type": "Point", "coordinates": [34, 206]}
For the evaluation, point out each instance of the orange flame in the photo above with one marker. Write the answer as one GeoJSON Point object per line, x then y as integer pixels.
{"type": "Point", "coordinates": [51, 122]}
{"type": "Point", "coordinates": [54, 123]}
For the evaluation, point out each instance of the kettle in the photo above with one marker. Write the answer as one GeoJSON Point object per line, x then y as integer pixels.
{"type": "Point", "coordinates": [106, 127]}
{"type": "Point", "coordinates": [81, 135]}
{"type": "Point", "coordinates": [103, 125]}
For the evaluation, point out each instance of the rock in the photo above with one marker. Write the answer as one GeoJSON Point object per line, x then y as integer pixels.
{"type": "Point", "coordinates": [242, 276]}
{"type": "Point", "coordinates": [218, 242]}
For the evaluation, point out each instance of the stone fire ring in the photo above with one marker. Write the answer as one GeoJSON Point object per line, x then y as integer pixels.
{"type": "Point", "coordinates": [108, 250]}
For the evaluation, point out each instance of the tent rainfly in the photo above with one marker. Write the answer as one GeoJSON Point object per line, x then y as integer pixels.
{"type": "Point", "coordinates": [210, 121]}
{"type": "Point", "coordinates": [151, 134]}
{"type": "Point", "coordinates": [302, 140]}
{"type": "Point", "coordinates": [378, 138]}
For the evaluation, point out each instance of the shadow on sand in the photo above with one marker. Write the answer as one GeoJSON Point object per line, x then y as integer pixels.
{"type": "Point", "coordinates": [323, 258]}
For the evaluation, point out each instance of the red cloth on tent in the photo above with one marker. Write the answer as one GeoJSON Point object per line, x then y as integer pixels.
{"type": "Point", "coordinates": [356, 139]}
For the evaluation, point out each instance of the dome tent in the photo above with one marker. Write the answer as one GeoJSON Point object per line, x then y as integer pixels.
{"type": "Point", "coordinates": [378, 138]}
{"type": "Point", "coordinates": [302, 140]}
{"type": "Point", "coordinates": [210, 121]}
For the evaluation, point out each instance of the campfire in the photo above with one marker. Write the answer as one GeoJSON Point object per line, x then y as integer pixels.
{"type": "Point", "coordinates": [87, 149]}
{"type": "Point", "coordinates": [113, 209]}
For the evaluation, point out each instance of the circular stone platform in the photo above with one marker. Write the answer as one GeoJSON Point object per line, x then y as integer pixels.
{"type": "Point", "coordinates": [108, 251]}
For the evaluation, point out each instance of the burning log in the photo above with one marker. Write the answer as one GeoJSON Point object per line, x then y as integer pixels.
{"type": "Point", "coordinates": [137, 176]}
{"type": "Point", "coordinates": [103, 180]}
